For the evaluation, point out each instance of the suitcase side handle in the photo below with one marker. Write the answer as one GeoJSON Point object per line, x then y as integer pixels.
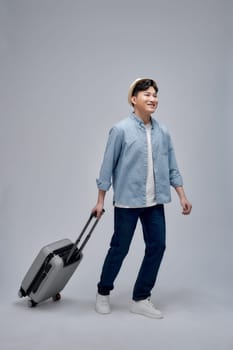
{"type": "Point", "coordinates": [93, 215]}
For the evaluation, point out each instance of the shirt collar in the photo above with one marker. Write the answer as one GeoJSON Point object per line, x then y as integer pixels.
{"type": "Point", "coordinates": [140, 121]}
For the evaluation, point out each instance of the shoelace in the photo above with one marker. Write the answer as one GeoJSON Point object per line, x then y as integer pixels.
{"type": "Point", "coordinates": [104, 301]}
{"type": "Point", "coordinates": [150, 303]}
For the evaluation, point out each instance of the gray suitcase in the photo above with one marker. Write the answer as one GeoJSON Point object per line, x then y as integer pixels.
{"type": "Point", "coordinates": [53, 267]}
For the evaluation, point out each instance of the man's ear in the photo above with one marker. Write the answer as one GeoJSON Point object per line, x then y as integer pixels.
{"type": "Point", "coordinates": [133, 100]}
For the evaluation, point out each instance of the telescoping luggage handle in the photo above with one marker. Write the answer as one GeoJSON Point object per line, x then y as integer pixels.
{"type": "Point", "coordinates": [93, 215]}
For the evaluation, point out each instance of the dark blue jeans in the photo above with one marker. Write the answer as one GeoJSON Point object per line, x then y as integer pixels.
{"type": "Point", "coordinates": [125, 221]}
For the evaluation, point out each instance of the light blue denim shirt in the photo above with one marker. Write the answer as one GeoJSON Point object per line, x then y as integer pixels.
{"type": "Point", "coordinates": [125, 163]}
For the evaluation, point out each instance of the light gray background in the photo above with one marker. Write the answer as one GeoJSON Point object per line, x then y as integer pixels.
{"type": "Point", "coordinates": [65, 71]}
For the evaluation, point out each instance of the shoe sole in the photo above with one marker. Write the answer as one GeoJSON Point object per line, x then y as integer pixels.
{"type": "Point", "coordinates": [158, 317]}
{"type": "Point", "coordinates": [102, 313]}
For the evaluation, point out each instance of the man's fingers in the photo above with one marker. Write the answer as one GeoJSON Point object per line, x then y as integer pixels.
{"type": "Point", "coordinates": [98, 212]}
{"type": "Point", "coordinates": [186, 209]}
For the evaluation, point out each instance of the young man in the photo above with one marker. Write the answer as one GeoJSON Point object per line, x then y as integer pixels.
{"type": "Point", "coordinates": [139, 162]}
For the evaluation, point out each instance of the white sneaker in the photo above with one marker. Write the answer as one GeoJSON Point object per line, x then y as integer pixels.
{"type": "Point", "coordinates": [102, 305]}
{"type": "Point", "coordinates": [145, 308]}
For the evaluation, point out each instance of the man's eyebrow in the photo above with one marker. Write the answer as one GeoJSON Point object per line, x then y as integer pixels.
{"type": "Point", "coordinates": [148, 92]}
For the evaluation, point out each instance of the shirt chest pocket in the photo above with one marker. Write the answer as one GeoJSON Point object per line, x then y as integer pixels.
{"type": "Point", "coordinates": [160, 145]}
{"type": "Point", "coordinates": [133, 147]}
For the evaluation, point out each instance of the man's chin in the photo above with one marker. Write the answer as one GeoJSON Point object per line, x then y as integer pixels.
{"type": "Point", "coordinates": [152, 111]}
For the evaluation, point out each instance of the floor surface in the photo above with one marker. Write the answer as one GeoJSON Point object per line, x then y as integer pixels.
{"type": "Point", "coordinates": [193, 319]}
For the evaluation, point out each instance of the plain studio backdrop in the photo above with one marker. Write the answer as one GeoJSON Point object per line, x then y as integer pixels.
{"type": "Point", "coordinates": [65, 71]}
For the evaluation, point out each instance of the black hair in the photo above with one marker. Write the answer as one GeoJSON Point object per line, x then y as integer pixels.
{"type": "Point", "coordinates": [143, 85]}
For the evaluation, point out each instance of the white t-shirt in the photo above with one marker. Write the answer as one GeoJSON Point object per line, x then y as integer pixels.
{"type": "Point", "coordinates": [150, 183]}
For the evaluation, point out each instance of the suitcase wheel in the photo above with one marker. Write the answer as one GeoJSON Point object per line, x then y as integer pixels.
{"type": "Point", "coordinates": [57, 297]}
{"type": "Point", "coordinates": [21, 293]}
{"type": "Point", "coordinates": [31, 303]}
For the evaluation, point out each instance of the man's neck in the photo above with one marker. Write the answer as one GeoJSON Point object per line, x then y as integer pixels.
{"type": "Point", "coordinates": [145, 118]}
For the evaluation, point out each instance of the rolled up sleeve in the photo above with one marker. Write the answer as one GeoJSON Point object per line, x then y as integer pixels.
{"type": "Point", "coordinates": [174, 173]}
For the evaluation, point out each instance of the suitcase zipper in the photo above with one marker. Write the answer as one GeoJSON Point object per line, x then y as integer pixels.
{"type": "Point", "coordinates": [41, 274]}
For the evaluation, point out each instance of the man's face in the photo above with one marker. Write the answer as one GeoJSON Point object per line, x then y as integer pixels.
{"type": "Point", "coordinates": [146, 101]}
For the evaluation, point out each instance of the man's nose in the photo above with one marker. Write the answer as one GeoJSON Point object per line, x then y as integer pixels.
{"type": "Point", "coordinates": [153, 98]}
